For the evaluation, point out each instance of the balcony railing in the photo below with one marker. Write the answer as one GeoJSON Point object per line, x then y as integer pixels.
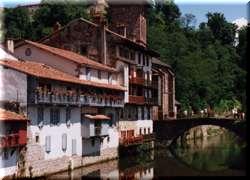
{"type": "Point", "coordinates": [136, 139]}
{"type": "Point", "coordinates": [137, 80]}
{"type": "Point", "coordinates": [13, 140]}
{"type": "Point", "coordinates": [136, 99]}
{"type": "Point", "coordinates": [92, 100]}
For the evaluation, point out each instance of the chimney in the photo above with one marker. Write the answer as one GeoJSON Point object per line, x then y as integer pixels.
{"type": "Point", "coordinates": [10, 45]}
{"type": "Point", "coordinates": [98, 11]}
{"type": "Point", "coordinates": [56, 26]}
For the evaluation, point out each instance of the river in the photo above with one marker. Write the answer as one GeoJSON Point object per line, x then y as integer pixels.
{"type": "Point", "coordinates": [220, 155]}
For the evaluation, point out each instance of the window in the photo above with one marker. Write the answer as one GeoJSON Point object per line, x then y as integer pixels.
{"type": "Point", "coordinates": [37, 138]}
{"type": "Point", "coordinates": [68, 116]}
{"type": "Point", "coordinates": [142, 114]}
{"type": "Point", "coordinates": [28, 52]}
{"type": "Point", "coordinates": [145, 131]}
{"type": "Point", "coordinates": [148, 130]}
{"type": "Point", "coordinates": [5, 154]}
{"type": "Point", "coordinates": [64, 142]}
{"type": "Point", "coordinates": [129, 113]}
{"type": "Point", "coordinates": [132, 55]}
{"type": "Point", "coordinates": [139, 58]}
{"type": "Point", "coordinates": [143, 58]}
{"type": "Point", "coordinates": [40, 116]}
{"type": "Point", "coordinates": [148, 113]}
{"type": "Point", "coordinates": [99, 73]}
{"type": "Point", "coordinates": [47, 144]}
{"type": "Point", "coordinates": [93, 142]}
{"type": "Point", "coordinates": [147, 61]}
{"type": "Point", "coordinates": [73, 146]}
{"type": "Point", "coordinates": [111, 121]}
{"type": "Point", "coordinates": [83, 50]}
{"type": "Point", "coordinates": [88, 74]}
{"type": "Point", "coordinates": [110, 78]}
{"type": "Point", "coordinates": [54, 116]}
{"type": "Point", "coordinates": [140, 131]}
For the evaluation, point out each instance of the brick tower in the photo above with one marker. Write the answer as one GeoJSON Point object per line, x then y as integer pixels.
{"type": "Point", "coordinates": [129, 19]}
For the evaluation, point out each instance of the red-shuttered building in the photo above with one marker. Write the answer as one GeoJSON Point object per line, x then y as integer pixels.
{"type": "Point", "coordinates": [13, 138]}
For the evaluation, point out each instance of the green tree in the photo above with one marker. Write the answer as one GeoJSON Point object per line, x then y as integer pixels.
{"type": "Point", "coordinates": [222, 30]}
{"type": "Point", "coordinates": [17, 23]}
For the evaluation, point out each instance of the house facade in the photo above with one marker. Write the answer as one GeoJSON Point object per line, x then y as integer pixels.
{"type": "Point", "coordinates": [68, 124]}
{"type": "Point", "coordinates": [163, 91]}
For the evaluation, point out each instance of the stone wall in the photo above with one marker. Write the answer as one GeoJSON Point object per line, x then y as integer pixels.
{"type": "Point", "coordinates": [36, 166]}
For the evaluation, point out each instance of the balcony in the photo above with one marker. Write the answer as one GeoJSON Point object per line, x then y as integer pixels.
{"type": "Point", "coordinates": [136, 99]}
{"type": "Point", "coordinates": [134, 140]}
{"type": "Point", "coordinates": [84, 99]}
{"type": "Point", "coordinates": [137, 80]}
{"type": "Point", "coordinates": [13, 140]}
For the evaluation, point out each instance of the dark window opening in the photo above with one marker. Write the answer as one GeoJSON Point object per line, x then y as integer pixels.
{"type": "Point", "coordinates": [99, 74]}
{"type": "Point", "coordinates": [93, 142]}
{"type": "Point", "coordinates": [83, 50]}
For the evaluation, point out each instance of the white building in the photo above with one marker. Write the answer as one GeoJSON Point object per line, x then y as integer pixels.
{"type": "Point", "coordinates": [71, 115]}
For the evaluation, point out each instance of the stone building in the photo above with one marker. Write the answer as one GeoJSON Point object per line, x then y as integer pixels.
{"type": "Point", "coordinates": [164, 91]}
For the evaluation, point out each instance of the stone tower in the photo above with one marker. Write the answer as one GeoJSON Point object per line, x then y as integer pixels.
{"type": "Point", "coordinates": [128, 18]}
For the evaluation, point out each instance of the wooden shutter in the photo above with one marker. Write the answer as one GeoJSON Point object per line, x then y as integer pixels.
{"type": "Point", "coordinates": [64, 142]}
{"type": "Point", "coordinates": [47, 144]}
{"type": "Point", "coordinates": [73, 146]}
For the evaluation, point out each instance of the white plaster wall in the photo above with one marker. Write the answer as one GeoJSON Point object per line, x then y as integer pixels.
{"type": "Point", "coordinates": [6, 55]}
{"type": "Point", "coordinates": [113, 139]}
{"type": "Point", "coordinates": [144, 124]}
{"type": "Point", "coordinates": [56, 131]}
{"type": "Point", "coordinates": [13, 86]}
{"type": "Point", "coordinates": [127, 125]}
{"type": "Point", "coordinates": [94, 76]}
{"type": "Point", "coordinates": [47, 58]}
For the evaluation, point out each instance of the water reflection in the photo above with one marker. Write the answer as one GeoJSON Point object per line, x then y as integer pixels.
{"type": "Point", "coordinates": [221, 155]}
{"type": "Point", "coordinates": [220, 152]}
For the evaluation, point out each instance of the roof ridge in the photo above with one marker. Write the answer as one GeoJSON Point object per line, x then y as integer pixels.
{"type": "Point", "coordinates": [68, 24]}
{"type": "Point", "coordinates": [87, 60]}
{"type": "Point", "coordinates": [53, 74]}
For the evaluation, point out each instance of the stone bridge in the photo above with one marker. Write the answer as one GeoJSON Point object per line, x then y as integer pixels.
{"type": "Point", "coordinates": [172, 129]}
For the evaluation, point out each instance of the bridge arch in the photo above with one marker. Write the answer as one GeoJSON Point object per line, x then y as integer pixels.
{"type": "Point", "coordinates": [172, 129]}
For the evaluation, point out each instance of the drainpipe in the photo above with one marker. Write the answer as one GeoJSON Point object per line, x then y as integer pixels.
{"type": "Point", "coordinates": [103, 42]}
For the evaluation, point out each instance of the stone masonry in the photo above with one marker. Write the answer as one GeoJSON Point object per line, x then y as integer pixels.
{"type": "Point", "coordinates": [37, 166]}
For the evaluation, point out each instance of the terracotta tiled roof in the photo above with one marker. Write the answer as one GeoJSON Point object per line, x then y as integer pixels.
{"type": "Point", "coordinates": [67, 25]}
{"type": "Point", "coordinates": [124, 39]}
{"type": "Point", "coordinates": [159, 62]}
{"type": "Point", "coordinates": [72, 56]}
{"type": "Point", "coordinates": [44, 71]}
{"type": "Point", "coordinates": [6, 115]}
{"type": "Point", "coordinates": [97, 117]}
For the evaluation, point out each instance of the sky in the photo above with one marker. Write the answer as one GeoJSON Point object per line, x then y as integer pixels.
{"type": "Point", "coordinates": [232, 9]}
